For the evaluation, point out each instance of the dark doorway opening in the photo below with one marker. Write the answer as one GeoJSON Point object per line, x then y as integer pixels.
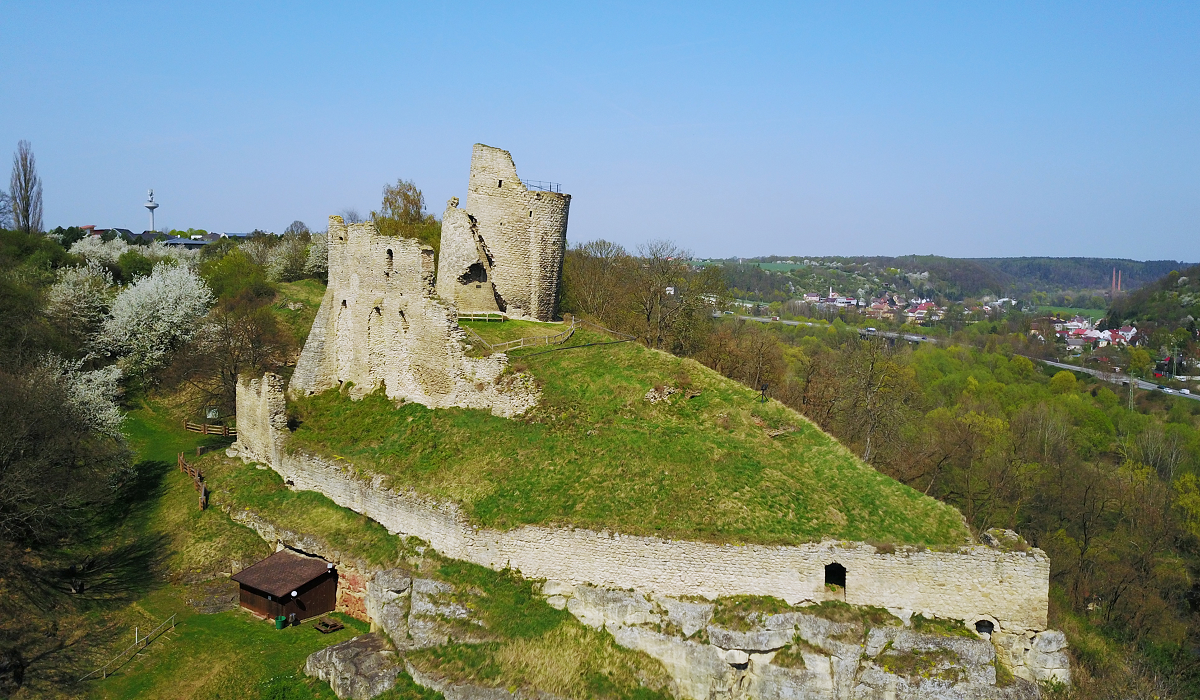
{"type": "Point", "coordinates": [835, 575]}
{"type": "Point", "coordinates": [985, 627]}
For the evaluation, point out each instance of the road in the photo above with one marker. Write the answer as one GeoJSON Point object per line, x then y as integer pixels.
{"type": "Point", "coordinates": [1112, 377]}
{"type": "Point", "coordinates": [1116, 378]}
{"type": "Point", "coordinates": [911, 337]}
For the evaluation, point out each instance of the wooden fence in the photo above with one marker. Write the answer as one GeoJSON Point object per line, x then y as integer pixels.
{"type": "Point", "coordinates": [556, 339]}
{"type": "Point", "coordinates": [137, 645]}
{"type": "Point", "coordinates": [207, 429]}
{"type": "Point", "coordinates": [486, 316]}
{"type": "Point", "coordinates": [197, 480]}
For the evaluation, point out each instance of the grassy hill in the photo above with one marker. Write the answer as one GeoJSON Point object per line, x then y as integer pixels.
{"type": "Point", "coordinates": [718, 466]}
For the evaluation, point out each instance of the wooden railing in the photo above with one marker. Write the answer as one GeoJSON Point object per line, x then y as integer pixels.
{"type": "Point", "coordinates": [207, 429]}
{"type": "Point", "coordinates": [137, 645]}
{"type": "Point", "coordinates": [482, 316]}
{"type": "Point", "coordinates": [556, 339]}
{"type": "Point", "coordinates": [197, 480]}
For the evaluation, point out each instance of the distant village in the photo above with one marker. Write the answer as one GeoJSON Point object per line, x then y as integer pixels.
{"type": "Point", "coordinates": [189, 241]}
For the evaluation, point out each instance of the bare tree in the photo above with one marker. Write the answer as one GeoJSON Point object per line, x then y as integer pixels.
{"type": "Point", "coordinates": [594, 274]}
{"type": "Point", "coordinates": [297, 227]}
{"type": "Point", "coordinates": [351, 216]}
{"type": "Point", "coordinates": [26, 190]}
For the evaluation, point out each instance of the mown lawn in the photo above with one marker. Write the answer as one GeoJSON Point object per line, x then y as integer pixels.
{"type": "Point", "coordinates": [224, 655]}
{"type": "Point", "coordinates": [501, 331]}
{"type": "Point", "coordinates": [596, 454]}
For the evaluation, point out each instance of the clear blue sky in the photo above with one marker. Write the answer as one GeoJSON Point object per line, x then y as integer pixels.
{"type": "Point", "coordinates": [961, 128]}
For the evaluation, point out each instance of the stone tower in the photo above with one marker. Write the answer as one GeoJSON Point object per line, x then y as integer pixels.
{"type": "Point", "coordinates": [504, 252]}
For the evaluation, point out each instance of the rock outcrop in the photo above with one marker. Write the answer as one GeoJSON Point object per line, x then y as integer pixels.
{"type": "Point", "coordinates": [359, 668]}
{"type": "Point", "coordinates": [801, 655]}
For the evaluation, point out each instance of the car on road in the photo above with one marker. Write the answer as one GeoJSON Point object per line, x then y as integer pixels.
{"type": "Point", "coordinates": [774, 318]}
{"type": "Point", "coordinates": [871, 330]}
{"type": "Point", "coordinates": [1185, 391]}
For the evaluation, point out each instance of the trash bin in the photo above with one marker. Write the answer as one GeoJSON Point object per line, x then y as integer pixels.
{"type": "Point", "coordinates": [280, 622]}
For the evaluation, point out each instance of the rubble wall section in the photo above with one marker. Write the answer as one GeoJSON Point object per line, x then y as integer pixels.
{"type": "Point", "coordinates": [380, 325]}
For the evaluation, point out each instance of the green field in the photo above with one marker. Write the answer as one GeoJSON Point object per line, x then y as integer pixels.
{"type": "Point", "coordinates": [1069, 311]}
{"type": "Point", "coordinates": [719, 466]}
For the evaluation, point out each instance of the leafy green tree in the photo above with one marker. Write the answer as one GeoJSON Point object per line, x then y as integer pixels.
{"type": "Point", "coordinates": [402, 214]}
{"type": "Point", "coordinates": [1063, 382]}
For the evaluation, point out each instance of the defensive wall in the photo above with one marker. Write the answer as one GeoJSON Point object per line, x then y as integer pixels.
{"type": "Point", "coordinates": [1008, 588]}
{"type": "Point", "coordinates": [505, 251]}
{"type": "Point", "coordinates": [380, 324]}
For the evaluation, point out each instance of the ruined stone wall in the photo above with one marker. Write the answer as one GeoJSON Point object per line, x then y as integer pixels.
{"type": "Point", "coordinates": [262, 418]}
{"type": "Point", "coordinates": [464, 264]}
{"type": "Point", "coordinates": [380, 325]}
{"type": "Point", "coordinates": [523, 232]}
{"type": "Point", "coordinates": [1010, 589]}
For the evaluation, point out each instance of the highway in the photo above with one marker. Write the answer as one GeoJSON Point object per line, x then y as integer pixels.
{"type": "Point", "coordinates": [1111, 377]}
{"type": "Point", "coordinates": [1115, 378]}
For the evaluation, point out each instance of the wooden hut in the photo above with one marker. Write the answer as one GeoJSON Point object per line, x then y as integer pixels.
{"type": "Point", "coordinates": [287, 583]}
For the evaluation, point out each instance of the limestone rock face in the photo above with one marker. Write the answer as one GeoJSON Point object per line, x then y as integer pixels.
{"type": "Point", "coordinates": [597, 607]}
{"type": "Point", "coordinates": [1035, 657]}
{"type": "Point", "coordinates": [797, 655]}
{"type": "Point", "coordinates": [437, 618]}
{"type": "Point", "coordinates": [359, 668]}
{"type": "Point", "coordinates": [388, 596]}
{"type": "Point", "coordinates": [689, 617]}
{"type": "Point", "coordinates": [1047, 658]}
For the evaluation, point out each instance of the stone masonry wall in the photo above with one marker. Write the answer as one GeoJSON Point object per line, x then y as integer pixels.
{"type": "Point", "coordinates": [379, 324]}
{"type": "Point", "coordinates": [1010, 589]}
{"type": "Point", "coordinates": [262, 418]}
{"type": "Point", "coordinates": [523, 231]}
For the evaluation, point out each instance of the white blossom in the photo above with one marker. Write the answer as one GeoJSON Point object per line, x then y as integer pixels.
{"type": "Point", "coordinates": [92, 396]}
{"type": "Point", "coordinates": [155, 315]}
{"type": "Point", "coordinates": [287, 259]}
{"type": "Point", "coordinates": [80, 297]}
{"type": "Point", "coordinates": [96, 250]}
{"type": "Point", "coordinates": [318, 255]}
{"type": "Point", "coordinates": [109, 252]}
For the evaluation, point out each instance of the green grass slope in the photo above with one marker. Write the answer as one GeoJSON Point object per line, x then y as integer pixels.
{"type": "Point", "coordinates": [596, 454]}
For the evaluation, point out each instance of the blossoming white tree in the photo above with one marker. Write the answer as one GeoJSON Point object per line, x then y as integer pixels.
{"type": "Point", "coordinates": [79, 299]}
{"type": "Point", "coordinates": [92, 396]}
{"type": "Point", "coordinates": [154, 316]}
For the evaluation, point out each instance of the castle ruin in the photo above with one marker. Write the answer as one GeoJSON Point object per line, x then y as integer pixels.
{"type": "Point", "coordinates": [390, 319]}
{"type": "Point", "coordinates": [504, 252]}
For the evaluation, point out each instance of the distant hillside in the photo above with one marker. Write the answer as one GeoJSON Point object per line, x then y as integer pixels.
{"type": "Point", "coordinates": [710, 462]}
{"type": "Point", "coordinates": [773, 277]}
{"type": "Point", "coordinates": [1169, 301]}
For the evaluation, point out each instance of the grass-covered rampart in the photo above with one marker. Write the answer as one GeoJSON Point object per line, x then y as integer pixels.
{"type": "Point", "coordinates": [711, 463]}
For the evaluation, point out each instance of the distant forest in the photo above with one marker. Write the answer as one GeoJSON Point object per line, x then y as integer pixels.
{"type": "Point", "coordinates": [974, 277]}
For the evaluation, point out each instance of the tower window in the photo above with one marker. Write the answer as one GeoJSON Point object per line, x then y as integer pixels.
{"type": "Point", "coordinates": [531, 213]}
{"type": "Point", "coordinates": [343, 303]}
{"type": "Point", "coordinates": [499, 183]}
{"type": "Point", "coordinates": [389, 262]}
